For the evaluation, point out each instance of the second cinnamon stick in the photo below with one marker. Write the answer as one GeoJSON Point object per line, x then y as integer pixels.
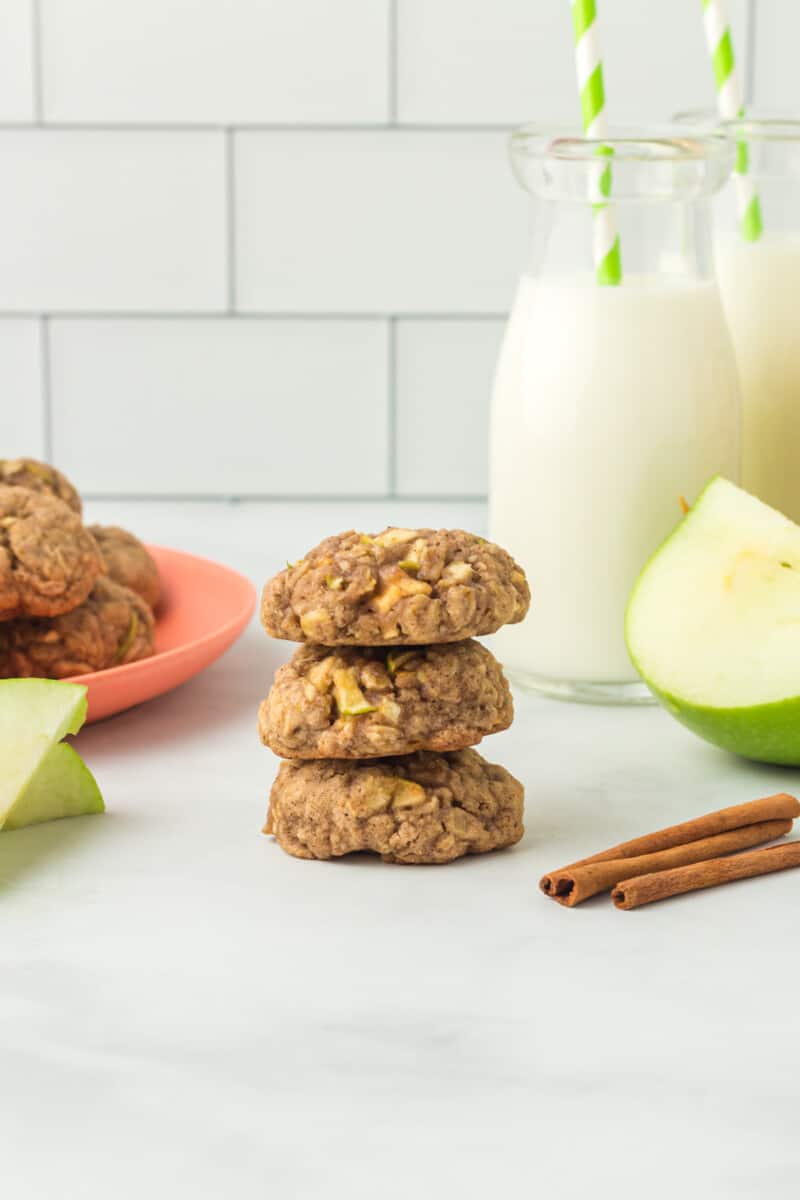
{"type": "Point", "coordinates": [632, 893]}
{"type": "Point", "coordinates": [572, 885]}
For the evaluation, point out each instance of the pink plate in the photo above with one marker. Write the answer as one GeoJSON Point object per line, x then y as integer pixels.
{"type": "Point", "coordinates": [204, 609]}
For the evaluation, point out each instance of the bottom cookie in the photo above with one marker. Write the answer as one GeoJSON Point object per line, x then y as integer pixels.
{"type": "Point", "coordinates": [112, 627]}
{"type": "Point", "coordinates": [419, 808]}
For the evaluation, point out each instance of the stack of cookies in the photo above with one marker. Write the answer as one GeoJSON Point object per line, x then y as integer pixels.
{"type": "Point", "coordinates": [376, 709]}
{"type": "Point", "coordinates": [73, 599]}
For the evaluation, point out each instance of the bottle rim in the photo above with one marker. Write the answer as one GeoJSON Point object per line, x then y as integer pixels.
{"type": "Point", "coordinates": [653, 144]}
{"type": "Point", "coordinates": [762, 129]}
{"type": "Point", "coordinates": [755, 126]}
{"type": "Point", "coordinates": [652, 163]}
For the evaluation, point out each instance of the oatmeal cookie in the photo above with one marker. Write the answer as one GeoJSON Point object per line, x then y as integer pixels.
{"type": "Point", "coordinates": [128, 562]}
{"type": "Point", "coordinates": [39, 477]}
{"type": "Point", "coordinates": [424, 808]}
{"type": "Point", "coordinates": [113, 626]}
{"type": "Point", "coordinates": [401, 587]}
{"type": "Point", "coordinates": [48, 561]}
{"type": "Point", "coordinates": [353, 702]}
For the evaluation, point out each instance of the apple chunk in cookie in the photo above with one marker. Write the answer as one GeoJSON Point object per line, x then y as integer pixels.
{"type": "Point", "coordinates": [356, 702]}
{"type": "Point", "coordinates": [399, 587]}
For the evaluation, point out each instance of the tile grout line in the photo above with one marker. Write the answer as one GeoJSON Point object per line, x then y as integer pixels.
{"type": "Point", "coordinates": [46, 386]}
{"type": "Point", "coordinates": [22, 314]}
{"type": "Point", "coordinates": [36, 62]}
{"type": "Point", "coordinates": [392, 63]}
{"type": "Point", "coordinates": [750, 39]}
{"type": "Point", "coordinates": [391, 401]}
{"type": "Point", "coordinates": [254, 127]}
{"type": "Point", "coordinates": [285, 497]}
{"type": "Point", "coordinates": [230, 215]}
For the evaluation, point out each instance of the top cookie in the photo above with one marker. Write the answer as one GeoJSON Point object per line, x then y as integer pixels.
{"type": "Point", "coordinates": [401, 587]}
{"type": "Point", "coordinates": [48, 561]}
{"type": "Point", "coordinates": [39, 477]}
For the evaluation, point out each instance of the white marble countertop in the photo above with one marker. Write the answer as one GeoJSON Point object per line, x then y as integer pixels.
{"type": "Point", "coordinates": [188, 1012]}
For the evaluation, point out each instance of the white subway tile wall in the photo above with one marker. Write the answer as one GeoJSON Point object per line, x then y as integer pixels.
{"type": "Point", "coordinates": [22, 407]}
{"type": "Point", "coordinates": [219, 62]}
{"type": "Point", "coordinates": [95, 220]}
{"type": "Point", "coordinates": [266, 247]}
{"type": "Point", "coordinates": [499, 63]}
{"type": "Point", "coordinates": [222, 405]}
{"type": "Point", "coordinates": [444, 380]}
{"type": "Point", "coordinates": [384, 222]}
{"type": "Point", "coordinates": [17, 98]}
{"type": "Point", "coordinates": [776, 39]}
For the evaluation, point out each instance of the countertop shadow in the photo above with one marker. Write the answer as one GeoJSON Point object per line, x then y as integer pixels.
{"type": "Point", "coordinates": [27, 852]}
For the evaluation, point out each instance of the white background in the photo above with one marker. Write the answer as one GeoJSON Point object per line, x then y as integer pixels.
{"type": "Point", "coordinates": [235, 233]}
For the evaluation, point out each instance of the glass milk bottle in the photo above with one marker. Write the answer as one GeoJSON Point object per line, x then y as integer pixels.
{"type": "Point", "coordinates": [611, 403]}
{"type": "Point", "coordinates": [759, 274]}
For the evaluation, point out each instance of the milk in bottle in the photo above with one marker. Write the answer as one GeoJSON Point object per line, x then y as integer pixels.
{"type": "Point", "coordinates": [610, 403]}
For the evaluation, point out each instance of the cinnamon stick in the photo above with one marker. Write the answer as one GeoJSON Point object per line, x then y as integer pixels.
{"type": "Point", "coordinates": [631, 893]}
{"type": "Point", "coordinates": [770, 808]}
{"type": "Point", "coordinates": [573, 885]}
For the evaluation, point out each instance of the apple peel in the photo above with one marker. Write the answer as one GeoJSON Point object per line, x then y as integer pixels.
{"type": "Point", "coordinates": [43, 778]}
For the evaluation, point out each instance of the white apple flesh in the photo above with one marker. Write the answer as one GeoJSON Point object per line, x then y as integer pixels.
{"type": "Point", "coordinates": [41, 779]}
{"type": "Point", "coordinates": [713, 624]}
{"type": "Point", "coordinates": [62, 786]}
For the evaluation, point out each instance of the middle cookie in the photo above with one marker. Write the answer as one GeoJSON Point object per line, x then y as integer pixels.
{"type": "Point", "coordinates": [360, 702]}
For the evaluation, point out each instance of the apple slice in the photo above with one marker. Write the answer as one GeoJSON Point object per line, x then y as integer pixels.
{"type": "Point", "coordinates": [35, 714]}
{"type": "Point", "coordinates": [713, 625]}
{"type": "Point", "coordinates": [63, 786]}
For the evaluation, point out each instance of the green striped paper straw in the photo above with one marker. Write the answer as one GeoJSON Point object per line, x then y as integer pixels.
{"type": "Point", "coordinates": [606, 249]}
{"type": "Point", "coordinates": [731, 108]}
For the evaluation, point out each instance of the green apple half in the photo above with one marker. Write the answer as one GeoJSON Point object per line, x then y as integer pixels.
{"type": "Point", "coordinates": [42, 779]}
{"type": "Point", "coordinates": [713, 625]}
